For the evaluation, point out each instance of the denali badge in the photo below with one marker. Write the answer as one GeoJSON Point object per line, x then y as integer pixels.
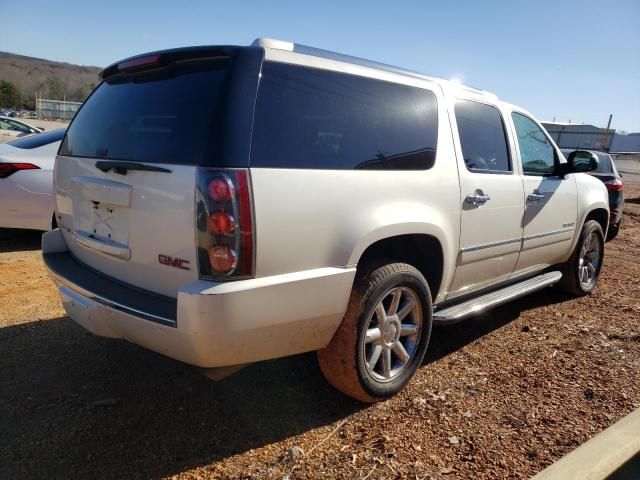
{"type": "Point", "coordinates": [174, 262]}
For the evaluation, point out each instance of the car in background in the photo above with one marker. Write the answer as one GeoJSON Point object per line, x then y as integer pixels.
{"type": "Point", "coordinates": [26, 181]}
{"type": "Point", "coordinates": [11, 128]}
{"type": "Point", "coordinates": [609, 175]}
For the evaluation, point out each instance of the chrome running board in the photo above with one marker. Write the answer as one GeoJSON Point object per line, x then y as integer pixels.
{"type": "Point", "coordinates": [477, 305]}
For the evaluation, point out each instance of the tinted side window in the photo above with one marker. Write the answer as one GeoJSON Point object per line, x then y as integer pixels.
{"type": "Point", "coordinates": [482, 137]}
{"type": "Point", "coordinates": [536, 152]}
{"type": "Point", "coordinates": [309, 118]}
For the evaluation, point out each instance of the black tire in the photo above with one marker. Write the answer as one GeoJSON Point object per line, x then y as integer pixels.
{"type": "Point", "coordinates": [613, 231]}
{"type": "Point", "coordinates": [344, 361]}
{"type": "Point", "coordinates": [571, 281]}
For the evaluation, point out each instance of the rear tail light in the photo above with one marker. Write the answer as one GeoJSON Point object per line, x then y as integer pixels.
{"type": "Point", "coordinates": [7, 169]}
{"type": "Point", "coordinates": [614, 185]}
{"type": "Point", "coordinates": [224, 224]}
{"type": "Point", "coordinates": [222, 259]}
{"type": "Point", "coordinates": [221, 223]}
{"type": "Point", "coordinates": [219, 189]}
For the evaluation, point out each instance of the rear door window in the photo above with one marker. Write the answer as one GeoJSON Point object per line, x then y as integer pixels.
{"type": "Point", "coordinates": [310, 118]}
{"type": "Point", "coordinates": [173, 115]}
{"type": "Point", "coordinates": [482, 137]}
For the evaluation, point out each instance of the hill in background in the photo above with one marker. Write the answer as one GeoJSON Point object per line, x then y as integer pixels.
{"type": "Point", "coordinates": [49, 79]}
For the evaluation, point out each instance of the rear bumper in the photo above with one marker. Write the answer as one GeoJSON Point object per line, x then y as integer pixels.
{"type": "Point", "coordinates": [616, 205]}
{"type": "Point", "coordinates": [209, 324]}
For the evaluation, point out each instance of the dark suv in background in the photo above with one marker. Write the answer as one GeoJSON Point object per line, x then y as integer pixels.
{"type": "Point", "coordinates": [608, 173]}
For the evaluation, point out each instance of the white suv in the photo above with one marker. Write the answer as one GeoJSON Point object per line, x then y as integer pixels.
{"type": "Point", "coordinates": [225, 205]}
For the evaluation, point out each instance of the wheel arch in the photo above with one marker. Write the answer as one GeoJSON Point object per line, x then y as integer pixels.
{"type": "Point", "coordinates": [593, 204]}
{"type": "Point", "coordinates": [600, 215]}
{"type": "Point", "coordinates": [424, 251]}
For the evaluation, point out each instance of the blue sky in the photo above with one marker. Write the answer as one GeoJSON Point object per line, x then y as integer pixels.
{"type": "Point", "coordinates": [572, 60]}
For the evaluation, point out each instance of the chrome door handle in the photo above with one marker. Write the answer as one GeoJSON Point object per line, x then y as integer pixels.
{"type": "Point", "coordinates": [535, 197]}
{"type": "Point", "coordinates": [476, 198]}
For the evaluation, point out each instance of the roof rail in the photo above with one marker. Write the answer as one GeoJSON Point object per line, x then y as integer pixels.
{"type": "Point", "coordinates": [318, 52]}
{"type": "Point", "coordinates": [273, 43]}
{"type": "Point", "coordinates": [341, 57]}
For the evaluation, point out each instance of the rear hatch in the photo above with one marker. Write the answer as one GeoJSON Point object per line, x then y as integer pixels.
{"type": "Point", "coordinates": [125, 175]}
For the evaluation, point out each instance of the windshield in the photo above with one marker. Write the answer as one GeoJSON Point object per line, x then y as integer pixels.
{"type": "Point", "coordinates": [172, 115]}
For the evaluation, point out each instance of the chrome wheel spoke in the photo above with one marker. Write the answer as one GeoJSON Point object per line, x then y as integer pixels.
{"type": "Point", "coordinates": [386, 363]}
{"type": "Point", "coordinates": [375, 356]}
{"type": "Point", "coordinates": [388, 343]}
{"type": "Point", "coordinates": [407, 329]}
{"type": "Point", "coordinates": [402, 354]}
{"type": "Point", "coordinates": [589, 260]}
{"type": "Point", "coordinates": [406, 309]}
{"type": "Point", "coordinates": [373, 334]}
{"type": "Point", "coordinates": [395, 301]}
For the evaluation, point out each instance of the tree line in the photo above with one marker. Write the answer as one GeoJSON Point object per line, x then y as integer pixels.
{"type": "Point", "coordinates": [53, 88]}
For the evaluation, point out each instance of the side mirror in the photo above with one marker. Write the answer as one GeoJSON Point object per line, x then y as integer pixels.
{"type": "Point", "coordinates": [582, 161]}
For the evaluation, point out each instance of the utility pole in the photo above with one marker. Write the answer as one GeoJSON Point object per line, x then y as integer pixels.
{"type": "Point", "coordinates": [605, 147]}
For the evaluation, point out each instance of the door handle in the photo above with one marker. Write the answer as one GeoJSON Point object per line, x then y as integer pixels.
{"type": "Point", "coordinates": [535, 197]}
{"type": "Point", "coordinates": [477, 198]}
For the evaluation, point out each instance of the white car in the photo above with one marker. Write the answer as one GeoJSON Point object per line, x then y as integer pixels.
{"type": "Point", "coordinates": [26, 179]}
{"type": "Point", "coordinates": [11, 128]}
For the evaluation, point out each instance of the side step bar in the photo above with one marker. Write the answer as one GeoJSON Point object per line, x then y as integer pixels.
{"type": "Point", "coordinates": [477, 305]}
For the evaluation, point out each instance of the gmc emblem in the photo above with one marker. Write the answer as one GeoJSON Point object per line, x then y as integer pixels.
{"type": "Point", "coordinates": [174, 262]}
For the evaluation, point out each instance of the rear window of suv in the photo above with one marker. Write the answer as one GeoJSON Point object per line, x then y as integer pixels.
{"type": "Point", "coordinates": [172, 115]}
{"type": "Point", "coordinates": [310, 118]}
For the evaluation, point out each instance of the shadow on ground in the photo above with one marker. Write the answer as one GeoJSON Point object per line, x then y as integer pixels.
{"type": "Point", "coordinates": [13, 240]}
{"type": "Point", "coordinates": [446, 339]}
{"type": "Point", "coordinates": [74, 405]}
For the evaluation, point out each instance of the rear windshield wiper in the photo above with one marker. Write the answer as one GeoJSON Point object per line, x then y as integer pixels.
{"type": "Point", "coordinates": [123, 167]}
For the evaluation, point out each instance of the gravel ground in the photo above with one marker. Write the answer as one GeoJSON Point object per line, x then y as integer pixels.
{"type": "Point", "coordinates": [502, 395]}
{"type": "Point", "coordinates": [629, 167]}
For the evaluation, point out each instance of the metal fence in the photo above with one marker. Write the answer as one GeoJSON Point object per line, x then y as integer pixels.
{"type": "Point", "coordinates": [580, 136]}
{"type": "Point", "coordinates": [56, 109]}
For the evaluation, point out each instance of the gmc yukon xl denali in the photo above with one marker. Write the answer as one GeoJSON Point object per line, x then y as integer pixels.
{"type": "Point", "coordinates": [225, 205]}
